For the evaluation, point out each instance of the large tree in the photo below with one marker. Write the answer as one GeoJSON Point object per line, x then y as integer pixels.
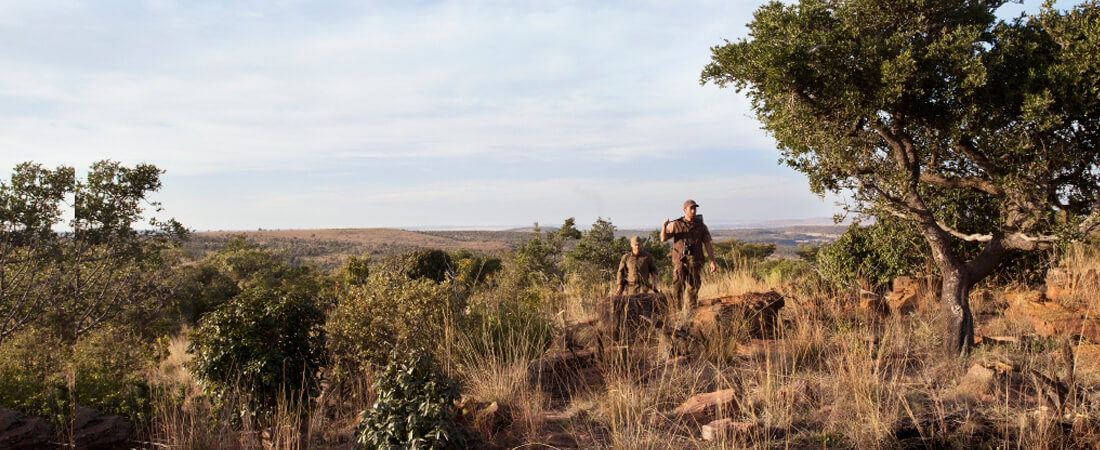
{"type": "Point", "coordinates": [972, 128]}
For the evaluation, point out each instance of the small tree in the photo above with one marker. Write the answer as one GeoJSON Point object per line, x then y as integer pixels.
{"type": "Point", "coordinates": [266, 343]}
{"type": "Point", "coordinates": [933, 111]}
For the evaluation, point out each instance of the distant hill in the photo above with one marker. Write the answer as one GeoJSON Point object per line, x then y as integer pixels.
{"type": "Point", "coordinates": [329, 248]}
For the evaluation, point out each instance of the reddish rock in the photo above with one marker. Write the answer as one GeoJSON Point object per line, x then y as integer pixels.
{"type": "Point", "coordinates": [703, 408]}
{"type": "Point", "coordinates": [757, 311]}
{"type": "Point", "coordinates": [1024, 296]}
{"type": "Point", "coordinates": [1051, 319]}
{"type": "Point", "coordinates": [21, 432]}
{"type": "Point", "coordinates": [729, 429]}
{"type": "Point", "coordinates": [797, 394]}
{"type": "Point", "coordinates": [873, 305]}
{"type": "Point", "coordinates": [1062, 284]}
{"type": "Point", "coordinates": [630, 316]}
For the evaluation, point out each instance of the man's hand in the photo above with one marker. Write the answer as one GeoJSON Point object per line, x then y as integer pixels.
{"type": "Point", "coordinates": [713, 266]}
{"type": "Point", "coordinates": [619, 291]}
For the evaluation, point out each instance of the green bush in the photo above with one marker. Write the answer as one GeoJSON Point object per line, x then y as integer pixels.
{"type": "Point", "coordinates": [875, 254]}
{"type": "Point", "coordinates": [388, 310]}
{"type": "Point", "coordinates": [32, 376]}
{"type": "Point", "coordinates": [265, 344]}
{"type": "Point", "coordinates": [415, 408]}
{"type": "Point", "coordinates": [513, 325]}
{"type": "Point", "coordinates": [426, 263]}
{"type": "Point", "coordinates": [109, 367]}
{"type": "Point", "coordinates": [782, 270]}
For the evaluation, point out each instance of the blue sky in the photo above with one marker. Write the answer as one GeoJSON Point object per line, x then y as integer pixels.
{"type": "Point", "coordinates": [335, 114]}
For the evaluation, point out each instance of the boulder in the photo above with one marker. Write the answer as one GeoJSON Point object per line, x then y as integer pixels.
{"type": "Point", "coordinates": [21, 432]}
{"type": "Point", "coordinates": [873, 305]}
{"type": "Point", "coordinates": [627, 317]}
{"type": "Point", "coordinates": [563, 372]}
{"type": "Point", "coordinates": [1052, 319]}
{"type": "Point", "coordinates": [92, 430]}
{"type": "Point", "coordinates": [1063, 284]}
{"type": "Point", "coordinates": [704, 408]}
{"type": "Point", "coordinates": [797, 394]}
{"type": "Point", "coordinates": [757, 312]}
{"type": "Point", "coordinates": [910, 294]}
{"type": "Point", "coordinates": [723, 429]}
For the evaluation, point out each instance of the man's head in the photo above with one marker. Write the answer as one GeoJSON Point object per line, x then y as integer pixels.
{"type": "Point", "coordinates": [689, 210]}
{"type": "Point", "coordinates": [635, 245]}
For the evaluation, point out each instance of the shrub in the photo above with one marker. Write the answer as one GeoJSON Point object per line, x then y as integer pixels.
{"type": "Point", "coordinates": [109, 374]}
{"type": "Point", "coordinates": [876, 254]}
{"type": "Point", "coordinates": [265, 343]}
{"type": "Point", "coordinates": [32, 380]}
{"type": "Point", "coordinates": [511, 325]}
{"type": "Point", "coordinates": [389, 309]}
{"type": "Point", "coordinates": [431, 264]}
{"type": "Point", "coordinates": [415, 408]}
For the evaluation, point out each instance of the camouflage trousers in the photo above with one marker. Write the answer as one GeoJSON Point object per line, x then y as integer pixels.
{"type": "Point", "coordinates": [686, 279]}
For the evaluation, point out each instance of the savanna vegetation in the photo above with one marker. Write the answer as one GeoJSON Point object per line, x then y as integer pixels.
{"type": "Point", "coordinates": [970, 141]}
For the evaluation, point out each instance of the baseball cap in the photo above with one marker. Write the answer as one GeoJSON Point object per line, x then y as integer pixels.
{"type": "Point", "coordinates": [690, 203]}
{"type": "Point", "coordinates": [634, 240]}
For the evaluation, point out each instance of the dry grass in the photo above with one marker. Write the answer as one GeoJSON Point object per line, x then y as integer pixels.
{"type": "Point", "coordinates": [834, 379]}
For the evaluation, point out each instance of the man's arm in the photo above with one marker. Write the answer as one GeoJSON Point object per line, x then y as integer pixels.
{"type": "Point", "coordinates": [664, 230]}
{"type": "Point", "coordinates": [621, 277]}
{"type": "Point", "coordinates": [710, 251]}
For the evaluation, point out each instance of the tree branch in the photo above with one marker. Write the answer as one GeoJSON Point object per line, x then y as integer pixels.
{"type": "Point", "coordinates": [976, 184]}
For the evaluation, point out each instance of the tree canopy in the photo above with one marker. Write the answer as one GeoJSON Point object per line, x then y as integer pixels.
{"type": "Point", "coordinates": [934, 111]}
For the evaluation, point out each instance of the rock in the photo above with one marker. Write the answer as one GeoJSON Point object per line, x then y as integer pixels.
{"type": "Point", "coordinates": [728, 429]}
{"type": "Point", "coordinates": [628, 317]}
{"type": "Point", "coordinates": [977, 384]}
{"type": "Point", "coordinates": [92, 430]}
{"type": "Point", "coordinates": [561, 439]}
{"type": "Point", "coordinates": [561, 373]}
{"type": "Point", "coordinates": [1024, 296]}
{"type": "Point", "coordinates": [873, 305]}
{"type": "Point", "coordinates": [21, 432]}
{"type": "Point", "coordinates": [580, 335]}
{"type": "Point", "coordinates": [1051, 319]}
{"type": "Point", "coordinates": [758, 312]}
{"type": "Point", "coordinates": [493, 418]}
{"type": "Point", "coordinates": [1062, 284]}
{"type": "Point", "coordinates": [703, 408]}
{"type": "Point", "coordinates": [797, 394]}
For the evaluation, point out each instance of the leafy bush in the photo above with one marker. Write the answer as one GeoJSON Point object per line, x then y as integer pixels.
{"type": "Point", "coordinates": [389, 309]}
{"type": "Point", "coordinates": [432, 264]}
{"type": "Point", "coordinates": [597, 253]}
{"type": "Point", "coordinates": [265, 343]}
{"type": "Point", "coordinates": [780, 270]}
{"type": "Point", "coordinates": [32, 381]}
{"type": "Point", "coordinates": [515, 325]}
{"type": "Point", "coordinates": [472, 269]}
{"type": "Point", "coordinates": [109, 374]}
{"type": "Point", "coordinates": [415, 408]}
{"type": "Point", "coordinates": [876, 254]}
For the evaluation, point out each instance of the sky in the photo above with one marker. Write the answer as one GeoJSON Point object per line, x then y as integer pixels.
{"type": "Point", "coordinates": [287, 114]}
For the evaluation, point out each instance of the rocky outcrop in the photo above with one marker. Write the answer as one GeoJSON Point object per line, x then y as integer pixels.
{"type": "Point", "coordinates": [756, 313]}
{"type": "Point", "coordinates": [1052, 319]}
{"type": "Point", "coordinates": [92, 430]}
{"type": "Point", "coordinates": [1063, 284]}
{"type": "Point", "coordinates": [705, 408]}
{"type": "Point", "coordinates": [18, 431]}
{"type": "Point", "coordinates": [627, 317]}
{"type": "Point", "coordinates": [912, 294]}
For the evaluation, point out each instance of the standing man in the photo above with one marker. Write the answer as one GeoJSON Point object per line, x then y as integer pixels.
{"type": "Point", "coordinates": [637, 271]}
{"type": "Point", "coordinates": [689, 235]}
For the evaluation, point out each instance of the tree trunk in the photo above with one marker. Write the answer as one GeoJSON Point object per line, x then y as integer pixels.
{"type": "Point", "coordinates": [955, 303]}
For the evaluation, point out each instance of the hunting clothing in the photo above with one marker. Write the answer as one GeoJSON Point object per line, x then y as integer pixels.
{"type": "Point", "coordinates": [688, 239]}
{"type": "Point", "coordinates": [635, 275]}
